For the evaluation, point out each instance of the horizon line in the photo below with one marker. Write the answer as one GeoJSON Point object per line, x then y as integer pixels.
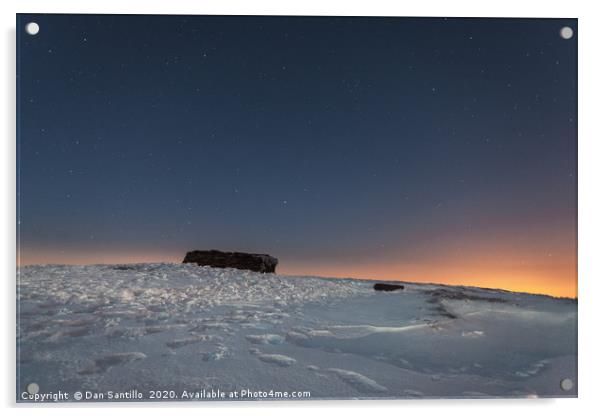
{"type": "Point", "coordinates": [417, 282]}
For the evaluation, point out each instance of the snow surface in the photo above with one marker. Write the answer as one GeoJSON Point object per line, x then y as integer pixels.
{"type": "Point", "coordinates": [179, 327]}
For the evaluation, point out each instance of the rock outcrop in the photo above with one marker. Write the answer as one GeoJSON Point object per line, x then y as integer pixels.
{"type": "Point", "coordinates": [262, 263]}
{"type": "Point", "coordinates": [387, 287]}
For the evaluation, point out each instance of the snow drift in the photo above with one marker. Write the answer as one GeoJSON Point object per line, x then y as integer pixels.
{"type": "Point", "coordinates": [180, 327]}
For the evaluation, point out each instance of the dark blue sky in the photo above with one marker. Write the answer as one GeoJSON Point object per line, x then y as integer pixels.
{"type": "Point", "coordinates": [422, 146]}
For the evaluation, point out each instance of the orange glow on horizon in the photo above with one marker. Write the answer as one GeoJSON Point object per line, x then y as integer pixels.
{"type": "Point", "coordinates": [550, 275]}
{"type": "Point", "coordinates": [96, 258]}
{"type": "Point", "coordinates": [535, 283]}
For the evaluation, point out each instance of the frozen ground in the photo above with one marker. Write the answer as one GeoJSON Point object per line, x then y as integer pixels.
{"type": "Point", "coordinates": [179, 327]}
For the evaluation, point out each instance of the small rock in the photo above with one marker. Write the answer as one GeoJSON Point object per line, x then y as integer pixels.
{"type": "Point", "coordinates": [387, 287]}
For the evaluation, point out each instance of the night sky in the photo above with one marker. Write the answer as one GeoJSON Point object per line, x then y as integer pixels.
{"type": "Point", "coordinates": [439, 150]}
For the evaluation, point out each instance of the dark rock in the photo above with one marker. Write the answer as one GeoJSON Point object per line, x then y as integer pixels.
{"type": "Point", "coordinates": [245, 261]}
{"type": "Point", "coordinates": [124, 267]}
{"type": "Point", "coordinates": [387, 287]}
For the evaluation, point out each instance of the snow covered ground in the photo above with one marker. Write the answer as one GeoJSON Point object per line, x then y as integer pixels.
{"type": "Point", "coordinates": [180, 327]}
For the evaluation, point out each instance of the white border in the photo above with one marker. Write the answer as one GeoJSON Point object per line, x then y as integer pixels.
{"type": "Point", "coordinates": [590, 200]}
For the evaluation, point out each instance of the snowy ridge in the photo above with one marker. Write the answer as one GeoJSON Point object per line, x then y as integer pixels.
{"type": "Point", "coordinates": [181, 326]}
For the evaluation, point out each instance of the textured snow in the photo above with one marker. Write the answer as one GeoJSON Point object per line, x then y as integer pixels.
{"type": "Point", "coordinates": [180, 326]}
